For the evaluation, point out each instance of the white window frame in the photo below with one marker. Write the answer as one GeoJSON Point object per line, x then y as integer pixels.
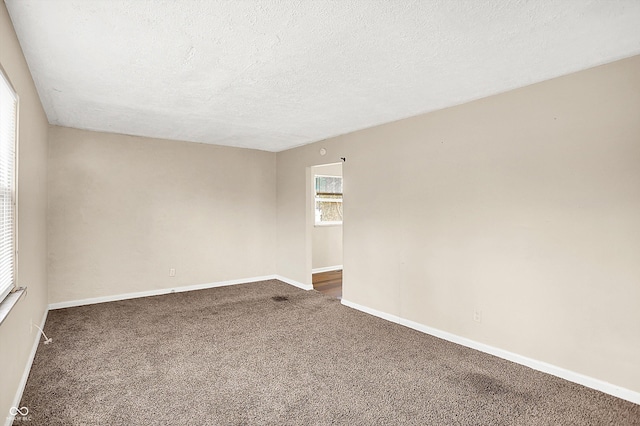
{"type": "Point", "coordinates": [4, 291]}
{"type": "Point", "coordinates": [316, 198]}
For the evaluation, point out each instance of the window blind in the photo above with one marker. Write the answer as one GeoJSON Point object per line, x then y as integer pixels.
{"type": "Point", "coordinates": [8, 125]}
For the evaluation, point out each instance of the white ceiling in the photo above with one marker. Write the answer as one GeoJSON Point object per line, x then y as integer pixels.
{"type": "Point", "coordinates": [274, 74]}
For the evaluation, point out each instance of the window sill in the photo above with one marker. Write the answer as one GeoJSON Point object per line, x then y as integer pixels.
{"type": "Point", "coordinates": [320, 225]}
{"type": "Point", "coordinates": [9, 302]}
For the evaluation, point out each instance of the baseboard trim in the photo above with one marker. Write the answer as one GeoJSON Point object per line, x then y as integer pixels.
{"type": "Point", "coordinates": [327, 269]}
{"type": "Point", "coordinates": [27, 369]}
{"type": "Point", "coordinates": [294, 283]}
{"type": "Point", "coordinates": [157, 292]}
{"type": "Point", "coordinates": [544, 367]}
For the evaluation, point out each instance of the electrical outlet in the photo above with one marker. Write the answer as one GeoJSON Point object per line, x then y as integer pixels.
{"type": "Point", "coordinates": [172, 272]}
{"type": "Point", "coordinates": [477, 315]}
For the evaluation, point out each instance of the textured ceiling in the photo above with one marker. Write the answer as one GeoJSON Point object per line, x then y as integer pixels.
{"type": "Point", "coordinates": [274, 74]}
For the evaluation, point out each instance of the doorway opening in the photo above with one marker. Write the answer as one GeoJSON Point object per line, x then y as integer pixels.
{"type": "Point", "coordinates": [326, 234]}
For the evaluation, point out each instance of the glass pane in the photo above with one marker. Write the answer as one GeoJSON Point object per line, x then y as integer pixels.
{"type": "Point", "coordinates": [329, 184]}
{"type": "Point", "coordinates": [328, 211]}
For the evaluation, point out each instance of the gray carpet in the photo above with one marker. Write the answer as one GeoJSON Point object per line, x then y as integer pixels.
{"type": "Point", "coordinates": [269, 353]}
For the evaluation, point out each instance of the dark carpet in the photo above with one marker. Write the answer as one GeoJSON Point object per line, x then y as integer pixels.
{"type": "Point", "coordinates": [269, 353]}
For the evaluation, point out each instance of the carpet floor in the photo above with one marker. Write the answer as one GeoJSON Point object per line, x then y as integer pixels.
{"type": "Point", "coordinates": [269, 353]}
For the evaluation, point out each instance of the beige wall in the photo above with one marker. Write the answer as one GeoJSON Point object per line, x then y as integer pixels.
{"type": "Point", "coordinates": [123, 210]}
{"type": "Point", "coordinates": [326, 240]}
{"type": "Point", "coordinates": [524, 205]}
{"type": "Point", "coordinates": [16, 337]}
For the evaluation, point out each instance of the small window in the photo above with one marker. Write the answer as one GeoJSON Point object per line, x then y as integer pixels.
{"type": "Point", "coordinates": [328, 199]}
{"type": "Point", "coordinates": [8, 130]}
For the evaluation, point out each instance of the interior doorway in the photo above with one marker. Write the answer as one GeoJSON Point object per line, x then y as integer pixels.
{"type": "Point", "coordinates": [326, 235]}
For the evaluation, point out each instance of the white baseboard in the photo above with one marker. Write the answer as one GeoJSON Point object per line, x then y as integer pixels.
{"type": "Point", "coordinates": [157, 292]}
{"type": "Point", "coordinates": [161, 291]}
{"type": "Point", "coordinates": [554, 370]}
{"type": "Point", "coordinates": [27, 369]}
{"type": "Point", "coordinates": [294, 283]}
{"type": "Point", "coordinates": [327, 269]}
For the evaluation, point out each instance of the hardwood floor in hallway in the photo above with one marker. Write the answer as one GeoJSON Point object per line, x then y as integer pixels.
{"type": "Point", "coordinates": [329, 283]}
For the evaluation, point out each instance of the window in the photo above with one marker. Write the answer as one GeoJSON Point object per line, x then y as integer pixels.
{"type": "Point", "coordinates": [8, 131]}
{"type": "Point", "coordinates": [328, 200]}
